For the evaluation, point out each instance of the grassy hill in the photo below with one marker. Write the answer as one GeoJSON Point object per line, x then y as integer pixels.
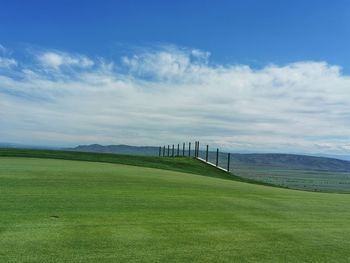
{"type": "Point", "coordinates": [286, 170]}
{"type": "Point", "coordinates": [309, 180]}
{"type": "Point", "coordinates": [181, 164]}
{"type": "Point", "coordinates": [56, 210]}
{"type": "Point", "coordinates": [303, 179]}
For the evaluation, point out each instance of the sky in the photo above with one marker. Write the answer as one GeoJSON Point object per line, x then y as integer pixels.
{"type": "Point", "coordinates": [246, 76]}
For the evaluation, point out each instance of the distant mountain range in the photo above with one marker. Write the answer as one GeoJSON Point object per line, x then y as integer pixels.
{"type": "Point", "coordinates": [288, 161]}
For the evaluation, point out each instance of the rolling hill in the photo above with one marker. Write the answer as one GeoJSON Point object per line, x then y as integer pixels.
{"type": "Point", "coordinates": [251, 171]}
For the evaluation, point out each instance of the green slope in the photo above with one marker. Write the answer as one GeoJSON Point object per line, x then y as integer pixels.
{"type": "Point", "coordinates": [307, 180]}
{"type": "Point", "coordinates": [180, 164]}
{"type": "Point", "coordinates": [74, 211]}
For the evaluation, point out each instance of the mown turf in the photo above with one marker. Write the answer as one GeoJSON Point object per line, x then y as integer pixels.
{"type": "Point", "coordinates": [74, 211]}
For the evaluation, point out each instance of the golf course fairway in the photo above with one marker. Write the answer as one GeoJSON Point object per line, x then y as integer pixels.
{"type": "Point", "coordinates": [78, 211]}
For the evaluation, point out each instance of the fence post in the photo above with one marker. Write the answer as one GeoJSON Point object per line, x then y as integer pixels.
{"type": "Point", "coordinates": [172, 153]}
{"type": "Point", "coordinates": [183, 149]}
{"type": "Point", "coordinates": [228, 161]}
{"type": "Point", "coordinates": [168, 149]}
{"type": "Point", "coordinates": [206, 155]}
{"type": "Point", "coordinates": [217, 157]}
{"type": "Point", "coordinates": [160, 151]}
{"type": "Point", "coordinates": [178, 149]}
{"type": "Point", "coordinates": [197, 149]}
{"type": "Point", "coordinates": [163, 150]}
{"type": "Point", "coordinates": [189, 149]}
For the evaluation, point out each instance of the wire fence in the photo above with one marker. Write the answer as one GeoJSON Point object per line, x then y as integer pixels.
{"type": "Point", "coordinates": [204, 153]}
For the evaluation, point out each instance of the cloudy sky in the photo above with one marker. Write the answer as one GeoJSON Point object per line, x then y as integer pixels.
{"type": "Point", "coordinates": [162, 91]}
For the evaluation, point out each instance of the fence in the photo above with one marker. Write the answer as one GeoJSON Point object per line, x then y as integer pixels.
{"type": "Point", "coordinates": [215, 158]}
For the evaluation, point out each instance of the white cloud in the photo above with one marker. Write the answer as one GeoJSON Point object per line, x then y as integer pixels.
{"type": "Point", "coordinates": [172, 95]}
{"type": "Point", "coordinates": [58, 59]}
{"type": "Point", "coordinates": [202, 56]}
{"type": "Point", "coordinates": [7, 62]}
{"type": "Point", "coordinates": [167, 63]}
{"type": "Point", "coordinates": [2, 50]}
{"type": "Point", "coordinates": [161, 65]}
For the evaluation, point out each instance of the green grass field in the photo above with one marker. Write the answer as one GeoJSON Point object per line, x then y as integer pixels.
{"type": "Point", "coordinates": [77, 211]}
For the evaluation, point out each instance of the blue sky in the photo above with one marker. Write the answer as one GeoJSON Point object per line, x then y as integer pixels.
{"type": "Point", "coordinates": [247, 75]}
{"type": "Point", "coordinates": [248, 31]}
